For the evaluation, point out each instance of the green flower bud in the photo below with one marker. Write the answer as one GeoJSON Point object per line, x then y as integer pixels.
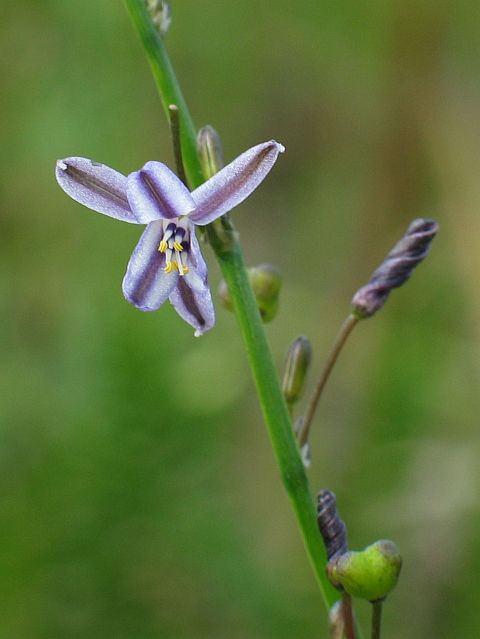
{"type": "Point", "coordinates": [266, 283]}
{"type": "Point", "coordinates": [368, 574]}
{"type": "Point", "coordinates": [210, 151]}
{"type": "Point", "coordinates": [297, 363]}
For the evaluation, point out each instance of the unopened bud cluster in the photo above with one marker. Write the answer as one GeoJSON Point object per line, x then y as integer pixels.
{"type": "Point", "coordinates": [396, 269]}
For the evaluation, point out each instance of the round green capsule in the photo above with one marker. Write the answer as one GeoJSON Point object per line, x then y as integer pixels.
{"type": "Point", "coordinates": [368, 574]}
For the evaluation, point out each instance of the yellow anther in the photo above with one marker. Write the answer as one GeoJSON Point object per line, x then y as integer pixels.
{"type": "Point", "coordinates": [177, 246]}
{"type": "Point", "coordinates": [163, 246]}
{"type": "Point", "coordinates": [169, 267]}
{"type": "Point", "coordinates": [175, 265]}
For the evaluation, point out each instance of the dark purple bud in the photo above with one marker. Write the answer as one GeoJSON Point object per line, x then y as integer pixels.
{"type": "Point", "coordinates": [332, 528]}
{"type": "Point", "coordinates": [396, 269]}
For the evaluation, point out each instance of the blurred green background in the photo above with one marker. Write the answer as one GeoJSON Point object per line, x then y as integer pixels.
{"type": "Point", "coordinates": [139, 496]}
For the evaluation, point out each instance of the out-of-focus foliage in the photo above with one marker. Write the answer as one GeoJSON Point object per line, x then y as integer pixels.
{"type": "Point", "coordinates": [139, 496]}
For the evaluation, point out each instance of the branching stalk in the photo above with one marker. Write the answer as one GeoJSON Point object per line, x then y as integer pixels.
{"type": "Point", "coordinates": [345, 330]}
{"type": "Point", "coordinates": [348, 620]}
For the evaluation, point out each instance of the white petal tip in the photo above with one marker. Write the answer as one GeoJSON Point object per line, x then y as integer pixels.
{"type": "Point", "coordinates": [280, 147]}
{"type": "Point", "coordinates": [61, 165]}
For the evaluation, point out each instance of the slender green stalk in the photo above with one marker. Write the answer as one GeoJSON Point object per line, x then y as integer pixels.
{"type": "Point", "coordinates": [274, 410]}
{"type": "Point", "coordinates": [376, 619]}
{"type": "Point", "coordinates": [230, 257]}
{"type": "Point", "coordinates": [167, 85]}
{"type": "Point", "coordinates": [174, 116]}
{"type": "Point", "coordinates": [345, 330]}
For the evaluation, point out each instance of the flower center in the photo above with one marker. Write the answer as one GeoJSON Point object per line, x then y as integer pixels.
{"type": "Point", "coordinates": [176, 247]}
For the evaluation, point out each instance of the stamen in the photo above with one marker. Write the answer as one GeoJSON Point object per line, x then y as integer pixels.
{"type": "Point", "coordinates": [179, 235]}
{"type": "Point", "coordinates": [165, 242]}
{"type": "Point", "coordinates": [169, 265]}
{"type": "Point", "coordinates": [178, 257]}
{"type": "Point", "coordinates": [183, 259]}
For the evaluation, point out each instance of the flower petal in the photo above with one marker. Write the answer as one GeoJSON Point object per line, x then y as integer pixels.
{"type": "Point", "coordinates": [234, 183]}
{"type": "Point", "coordinates": [145, 284]}
{"type": "Point", "coordinates": [192, 298]}
{"type": "Point", "coordinates": [155, 192]}
{"type": "Point", "coordinates": [196, 254]}
{"type": "Point", "coordinates": [96, 186]}
{"type": "Point", "coordinates": [193, 302]}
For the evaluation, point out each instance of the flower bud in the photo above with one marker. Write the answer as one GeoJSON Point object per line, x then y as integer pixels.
{"type": "Point", "coordinates": [332, 528]}
{"type": "Point", "coordinates": [368, 574]}
{"type": "Point", "coordinates": [161, 15]}
{"type": "Point", "coordinates": [266, 283]}
{"type": "Point", "coordinates": [396, 269]}
{"type": "Point", "coordinates": [297, 363]}
{"type": "Point", "coordinates": [210, 151]}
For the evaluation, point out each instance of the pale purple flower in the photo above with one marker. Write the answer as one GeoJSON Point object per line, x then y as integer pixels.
{"type": "Point", "coordinates": [167, 262]}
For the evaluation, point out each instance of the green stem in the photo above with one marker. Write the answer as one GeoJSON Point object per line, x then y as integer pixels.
{"type": "Point", "coordinates": [229, 255]}
{"type": "Point", "coordinates": [167, 85]}
{"type": "Point", "coordinates": [274, 409]}
{"type": "Point", "coordinates": [376, 619]}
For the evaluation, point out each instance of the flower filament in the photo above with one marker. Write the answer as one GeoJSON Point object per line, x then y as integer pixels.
{"type": "Point", "coordinates": [175, 245]}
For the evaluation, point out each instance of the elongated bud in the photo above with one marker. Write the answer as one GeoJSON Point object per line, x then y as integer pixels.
{"type": "Point", "coordinates": [266, 283]}
{"type": "Point", "coordinates": [210, 151]}
{"type": "Point", "coordinates": [297, 363]}
{"type": "Point", "coordinates": [336, 621]}
{"type": "Point", "coordinates": [161, 15]}
{"type": "Point", "coordinates": [332, 528]}
{"type": "Point", "coordinates": [396, 269]}
{"type": "Point", "coordinates": [371, 573]}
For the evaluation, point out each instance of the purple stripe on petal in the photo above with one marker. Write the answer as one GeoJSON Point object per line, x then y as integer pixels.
{"type": "Point", "coordinates": [193, 302]}
{"type": "Point", "coordinates": [235, 182]}
{"type": "Point", "coordinates": [155, 192]}
{"type": "Point", "coordinates": [96, 186]}
{"type": "Point", "coordinates": [145, 284]}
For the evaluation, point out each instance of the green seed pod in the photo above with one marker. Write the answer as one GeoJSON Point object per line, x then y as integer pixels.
{"type": "Point", "coordinates": [266, 283]}
{"type": "Point", "coordinates": [210, 151]}
{"type": "Point", "coordinates": [297, 363]}
{"type": "Point", "coordinates": [368, 574]}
